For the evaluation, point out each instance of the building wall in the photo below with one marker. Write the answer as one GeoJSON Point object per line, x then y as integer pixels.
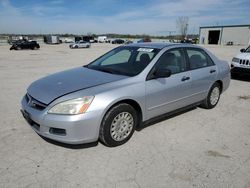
{"type": "Point", "coordinates": [238, 35]}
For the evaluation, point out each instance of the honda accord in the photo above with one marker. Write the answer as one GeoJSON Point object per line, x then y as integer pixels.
{"type": "Point", "coordinates": [117, 93]}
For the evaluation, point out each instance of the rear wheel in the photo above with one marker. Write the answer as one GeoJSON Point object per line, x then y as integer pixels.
{"type": "Point", "coordinates": [118, 125]}
{"type": "Point", "coordinates": [213, 96]}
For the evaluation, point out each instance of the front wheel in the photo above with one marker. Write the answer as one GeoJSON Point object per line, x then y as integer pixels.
{"type": "Point", "coordinates": [118, 125]}
{"type": "Point", "coordinates": [213, 96]}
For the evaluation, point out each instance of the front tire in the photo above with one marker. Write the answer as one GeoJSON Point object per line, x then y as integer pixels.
{"type": "Point", "coordinates": [213, 96]}
{"type": "Point", "coordinates": [118, 125]}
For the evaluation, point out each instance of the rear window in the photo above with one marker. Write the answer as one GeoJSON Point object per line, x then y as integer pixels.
{"type": "Point", "coordinates": [198, 58]}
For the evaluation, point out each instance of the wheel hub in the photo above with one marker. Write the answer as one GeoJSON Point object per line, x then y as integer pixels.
{"type": "Point", "coordinates": [214, 97]}
{"type": "Point", "coordinates": [121, 126]}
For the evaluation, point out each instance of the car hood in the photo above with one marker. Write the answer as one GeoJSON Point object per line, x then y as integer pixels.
{"type": "Point", "coordinates": [243, 56]}
{"type": "Point", "coordinates": [56, 85]}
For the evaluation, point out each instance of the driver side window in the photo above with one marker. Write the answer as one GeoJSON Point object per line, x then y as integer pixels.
{"type": "Point", "coordinates": [174, 60]}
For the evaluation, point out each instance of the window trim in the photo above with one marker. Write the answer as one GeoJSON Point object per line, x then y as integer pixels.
{"type": "Point", "coordinates": [200, 50]}
{"type": "Point", "coordinates": [150, 73]}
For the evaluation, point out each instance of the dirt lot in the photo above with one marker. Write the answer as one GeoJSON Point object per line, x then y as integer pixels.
{"type": "Point", "coordinates": [199, 148]}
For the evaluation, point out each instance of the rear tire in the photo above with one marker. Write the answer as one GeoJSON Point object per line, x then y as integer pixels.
{"type": "Point", "coordinates": [118, 125]}
{"type": "Point", "coordinates": [213, 96]}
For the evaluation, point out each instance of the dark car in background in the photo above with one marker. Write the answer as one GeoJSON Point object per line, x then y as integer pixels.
{"type": "Point", "coordinates": [117, 41]}
{"type": "Point", "coordinates": [25, 44]}
{"type": "Point", "coordinates": [146, 39]}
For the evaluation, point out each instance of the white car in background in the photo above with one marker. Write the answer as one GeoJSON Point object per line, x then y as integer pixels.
{"type": "Point", "coordinates": [241, 63]}
{"type": "Point", "coordinates": [80, 44]}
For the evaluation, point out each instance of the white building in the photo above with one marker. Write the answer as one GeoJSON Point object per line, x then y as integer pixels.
{"type": "Point", "coordinates": [223, 35]}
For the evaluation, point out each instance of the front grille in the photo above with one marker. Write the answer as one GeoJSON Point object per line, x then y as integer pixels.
{"type": "Point", "coordinates": [34, 103]}
{"type": "Point", "coordinates": [245, 62]}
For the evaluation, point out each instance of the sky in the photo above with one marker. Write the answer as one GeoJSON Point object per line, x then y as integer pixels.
{"type": "Point", "coordinates": [153, 17]}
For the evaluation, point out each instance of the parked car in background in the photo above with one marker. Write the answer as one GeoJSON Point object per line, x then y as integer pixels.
{"type": "Point", "coordinates": [188, 41]}
{"type": "Point", "coordinates": [241, 63]}
{"type": "Point", "coordinates": [117, 41]}
{"type": "Point", "coordinates": [128, 42]}
{"type": "Point", "coordinates": [144, 40]}
{"type": "Point", "coordinates": [25, 44]}
{"type": "Point", "coordinates": [119, 91]}
{"type": "Point", "coordinates": [80, 44]}
{"type": "Point", "coordinates": [68, 40]}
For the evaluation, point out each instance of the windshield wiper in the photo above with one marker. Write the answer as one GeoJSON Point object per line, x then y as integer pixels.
{"type": "Point", "coordinates": [99, 68]}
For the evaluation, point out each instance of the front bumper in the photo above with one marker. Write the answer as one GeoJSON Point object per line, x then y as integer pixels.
{"type": "Point", "coordinates": [70, 129]}
{"type": "Point", "coordinates": [240, 69]}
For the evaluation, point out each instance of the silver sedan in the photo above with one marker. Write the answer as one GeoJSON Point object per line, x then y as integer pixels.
{"type": "Point", "coordinates": [109, 98]}
{"type": "Point", "coordinates": [80, 44]}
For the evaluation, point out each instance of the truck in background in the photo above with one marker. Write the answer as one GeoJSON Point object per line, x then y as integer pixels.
{"type": "Point", "coordinates": [51, 39]}
{"type": "Point", "coordinates": [85, 38]}
{"type": "Point", "coordinates": [102, 39]}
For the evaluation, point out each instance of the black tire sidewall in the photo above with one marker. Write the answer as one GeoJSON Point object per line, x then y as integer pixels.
{"type": "Point", "coordinates": [105, 135]}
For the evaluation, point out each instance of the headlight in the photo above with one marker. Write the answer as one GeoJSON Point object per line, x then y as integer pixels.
{"type": "Point", "coordinates": [237, 60]}
{"type": "Point", "coordinates": [72, 107]}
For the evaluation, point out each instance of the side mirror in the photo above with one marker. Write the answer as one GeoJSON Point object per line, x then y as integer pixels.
{"type": "Point", "coordinates": [242, 50]}
{"type": "Point", "coordinates": [162, 73]}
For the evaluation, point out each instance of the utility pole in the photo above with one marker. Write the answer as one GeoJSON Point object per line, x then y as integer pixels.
{"type": "Point", "coordinates": [170, 34]}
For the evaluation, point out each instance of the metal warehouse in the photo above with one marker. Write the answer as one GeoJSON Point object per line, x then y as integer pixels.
{"type": "Point", "coordinates": [225, 35]}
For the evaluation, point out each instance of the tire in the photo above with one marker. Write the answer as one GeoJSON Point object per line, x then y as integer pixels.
{"type": "Point", "coordinates": [114, 134]}
{"type": "Point", "coordinates": [18, 48]}
{"type": "Point", "coordinates": [213, 96]}
{"type": "Point", "coordinates": [76, 47]}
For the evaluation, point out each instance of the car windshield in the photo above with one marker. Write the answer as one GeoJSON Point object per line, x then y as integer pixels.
{"type": "Point", "coordinates": [125, 60]}
{"type": "Point", "coordinates": [248, 49]}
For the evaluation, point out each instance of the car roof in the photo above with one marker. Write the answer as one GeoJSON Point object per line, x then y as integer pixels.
{"type": "Point", "coordinates": [159, 45]}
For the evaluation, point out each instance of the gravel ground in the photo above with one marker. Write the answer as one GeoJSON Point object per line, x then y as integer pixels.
{"type": "Point", "coordinates": [199, 148]}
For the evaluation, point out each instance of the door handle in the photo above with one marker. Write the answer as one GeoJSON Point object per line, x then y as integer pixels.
{"type": "Point", "coordinates": [212, 70]}
{"type": "Point", "coordinates": [184, 78]}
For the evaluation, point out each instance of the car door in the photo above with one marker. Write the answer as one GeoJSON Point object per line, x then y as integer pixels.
{"type": "Point", "coordinates": [167, 94]}
{"type": "Point", "coordinates": [82, 44]}
{"type": "Point", "coordinates": [203, 72]}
